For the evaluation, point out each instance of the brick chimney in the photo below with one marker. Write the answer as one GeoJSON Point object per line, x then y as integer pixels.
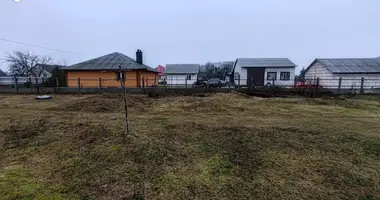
{"type": "Point", "coordinates": [139, 56]}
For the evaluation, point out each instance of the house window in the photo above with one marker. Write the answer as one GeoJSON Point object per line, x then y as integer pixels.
{"type": "Point", "coordinates": [285, 76]}
{"type": "Point", "coordinates": [45, 75]}
{"type": "Point", "coordinates": [272, 76]}
{"type": "Point", "coordinates": [188, 77]}
{"type": "Point", "coordinates": [120, 76]}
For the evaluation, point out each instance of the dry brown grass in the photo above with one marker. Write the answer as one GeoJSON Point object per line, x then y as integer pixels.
{"type": "Point", "coordinates": [224, 146]}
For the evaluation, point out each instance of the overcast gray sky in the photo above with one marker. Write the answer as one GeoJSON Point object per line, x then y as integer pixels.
{"type": "Point", "coordinates": [193, 31]}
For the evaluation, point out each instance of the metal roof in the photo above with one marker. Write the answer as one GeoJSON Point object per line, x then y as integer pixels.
{"type": "Point", "coordinates": [351, 65]}
{"type": "Point", "coordinates": [2, 73]}
{"type": "Point", "coordinates": [265, 62]}
{"type": "Point", "coordinates": [50, 68]}
{"type": "Point", "coordinates": [182, 68]}
{"type": "Point", "coordinates": [109, 62]}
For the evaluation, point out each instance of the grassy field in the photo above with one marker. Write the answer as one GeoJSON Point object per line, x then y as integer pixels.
{"type": "Point", "coordinates": [223, 146]}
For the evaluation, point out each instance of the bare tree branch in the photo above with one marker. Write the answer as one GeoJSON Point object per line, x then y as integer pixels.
{"type": "Point", "coordinates": [25, 63]}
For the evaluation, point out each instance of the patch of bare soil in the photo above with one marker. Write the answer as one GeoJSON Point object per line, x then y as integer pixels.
{"type": "Point", "coordinates": [108, 103]}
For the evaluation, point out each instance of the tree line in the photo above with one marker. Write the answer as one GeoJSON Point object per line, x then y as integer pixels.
{"type": "Point", "coordinates": [217, 69]}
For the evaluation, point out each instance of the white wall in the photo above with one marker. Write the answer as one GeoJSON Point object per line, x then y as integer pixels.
{"type": "Point", "coordinates": [330, 80]}
{"type": "Point", "coordinates": [242, 73]}
{"type": "Point", "coordinates": [278, 80]}
{"type": "Point", "coordinates": [48, 74]}
{"type": "Point", "coordinates": [180, 79]}
{"type": "Point", "coordinates": [244, 79]}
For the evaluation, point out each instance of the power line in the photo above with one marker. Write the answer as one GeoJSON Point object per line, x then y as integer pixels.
{"type": "Point", "coordinates": [42, 47]}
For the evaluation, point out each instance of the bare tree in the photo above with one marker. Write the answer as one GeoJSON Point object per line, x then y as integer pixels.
{"type": "Point", "coordinates": [63, 62]}
{"type": "Point", "coordinates": [25, 63]}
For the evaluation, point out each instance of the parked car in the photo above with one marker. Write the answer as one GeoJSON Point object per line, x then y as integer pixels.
{"type": "Point", "coordinates": [200, 83]}
{"type": "Point", "coordinates": [302, 85]}
{"type": "Point", "coordinates": [215, 83]}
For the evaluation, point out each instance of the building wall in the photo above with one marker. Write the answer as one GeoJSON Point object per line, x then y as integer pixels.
{"type": "Point", "coordinates": [48, 74]}
{"type": "Point", "coordinates": [242, 73]}
{"type": "Point", "coordinates": [180, 79]}
{"type": "Point", "coordinates": [278, 80]}
{"type": "Point", "coordinates": [91, 78]}
{"type": "Point", "coordinates": [330, 80]}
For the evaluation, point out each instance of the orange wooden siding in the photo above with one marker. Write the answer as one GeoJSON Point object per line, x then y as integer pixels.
{"type": "Point", "coordinates": [90, 79]}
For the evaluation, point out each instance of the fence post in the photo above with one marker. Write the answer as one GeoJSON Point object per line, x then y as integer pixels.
{"type": "Point", "coordinates": [295, 84]}
{"type": "Point", "coordinates": [239, 81]}
{"type": "Point", "coordinates": [165, 86]}
{"type": "Point", "coordinates": [143, 85]}
{"type": "Point", "coordinates": [16, 84]}
{"type": "Point", "coordinates": [229, 87]}
{"type": "Point", "coordinates": [30, 81]}
{"type": "Point", "coordinates": [79, 85]}
{"type": "Point", "coordinates": [100, 85]}
{"type": "Point", "coordinates": [186, 85]}
{"type": "Point", "coordinates": [317, 88]}
{"type": "Point", "coordinates": [57, 82]}
{"type": "Point", "coordinates": [251, 84]}
{"type": "Point", "coordinates": [362, 86]}
{"type": "Point", "coordinates": [340, 84]}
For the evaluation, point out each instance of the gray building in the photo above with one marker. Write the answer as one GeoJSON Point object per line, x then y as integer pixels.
{"type": "Point", "coordinates": [350, 70]}
{"type": "Point", "coordinates": [263, 71]}
{"type": "Point", "coordinates": [180, 74]}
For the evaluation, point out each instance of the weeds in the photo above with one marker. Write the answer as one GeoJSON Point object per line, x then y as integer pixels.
{"type": "Point", "coordinates": [222, 146]}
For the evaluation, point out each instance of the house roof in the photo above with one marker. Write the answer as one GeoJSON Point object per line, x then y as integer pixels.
{"type": "Point", "coordinates": [160, 69]}
{"type": "Point", "coordinates": [350, 65]}
{"type": "Point", "coordinates": [2, 73]}
{"type": "Point", "coordinates": [182, 68]}
{"type": "Point", "coordinates": [265, 62]}
{"type": "Point", "coordinates": [50, 68]}
{"type": "Point", "coordinates": [109, 62]}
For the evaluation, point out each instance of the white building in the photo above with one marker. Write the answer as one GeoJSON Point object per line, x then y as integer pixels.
{"type": "Point", "coordinates": [45, 71]}
{"type": "Point", "coordinates": [352, 73]}
{"type": "Point", "coordinates": [263, 71]}
{"type": "Point", "coordinates": [181, 74]}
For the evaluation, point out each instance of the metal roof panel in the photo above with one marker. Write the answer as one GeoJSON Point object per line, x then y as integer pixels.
{"type": "Point", "coordinates": [265, 62]}
{"type": "Point", "coordinates": [352, 65]}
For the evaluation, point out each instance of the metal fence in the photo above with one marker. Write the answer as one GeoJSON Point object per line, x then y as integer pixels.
{"type": "Point", "coordinates": [9, 80]}
{"type": "Point", "coordinates": [338, 85]}
{"type": "Point", "coordinates": [335, 85]}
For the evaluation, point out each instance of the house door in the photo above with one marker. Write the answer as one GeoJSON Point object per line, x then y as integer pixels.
{"type": "Point", "coordinates": [256, 76]}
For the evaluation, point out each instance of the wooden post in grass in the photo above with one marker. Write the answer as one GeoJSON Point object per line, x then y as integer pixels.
{"type": "Point", "coordinates": [100, 85]}
{"type": "Point", "coordinates": [126, 132]}
{"type": "Point", "coordinates": [339, 85]}
{"type": "Point", "coordinates": [78, 85]}
{"type": "Point", "coordinates": [362, 86]}
{"type": "Point", "coordinates": [295, 85]}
